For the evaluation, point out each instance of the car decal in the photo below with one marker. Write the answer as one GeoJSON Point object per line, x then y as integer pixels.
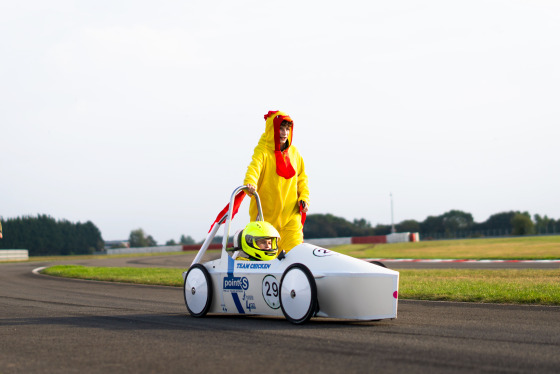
{"type": "Point", "coordinates": [237, 303]}
{"type": "Point", "coordinates": [234, 295]}
{"type": "Point", "coordinates": [252, 265]}
{"type": "Point", "coordinates": [230, 263]}
{"type": "Point", "coordinates": [322, 252]}
{"type": "Point", "coordinates": [270, 291]}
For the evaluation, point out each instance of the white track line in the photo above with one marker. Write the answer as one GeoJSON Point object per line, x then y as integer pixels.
{"type": "Point", "coordinates": [37, 270]}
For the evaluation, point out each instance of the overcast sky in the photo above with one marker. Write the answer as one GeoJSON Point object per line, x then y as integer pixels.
{"type": "Point", "coordinates": [144, 114]}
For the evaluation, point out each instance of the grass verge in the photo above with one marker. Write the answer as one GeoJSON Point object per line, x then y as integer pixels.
{"type": "Point", "coordinates": [518, 248]}
{"type": "Point", "coordinates": [514, 286]}
{"type": "Point", "coordinates": [150, 276]}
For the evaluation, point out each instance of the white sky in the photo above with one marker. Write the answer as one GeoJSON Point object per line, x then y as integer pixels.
{"type": "Point", "coordinates": [145, 114]}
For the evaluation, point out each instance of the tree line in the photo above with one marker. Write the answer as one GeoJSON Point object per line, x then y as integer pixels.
{"type": "Point", "coordinates": [449, 225]}
{"type": "Point", "coordinates": [139, 238]}
{"type": "Point", "coordinates": [44, 236]}
{"type": "Point", "coordinates": [452, 224]}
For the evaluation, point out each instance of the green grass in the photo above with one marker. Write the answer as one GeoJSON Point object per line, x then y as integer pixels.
{"type": "Point", "coordinates": [528, 286]}
{"type": "Point", "coordinates": [516, 286]}
{"type": "Point", "coordinates": [151, 276]}
{"type": "Point", "coordinates": [520, 248]}
{"type": "Point", "coordinates": [97, 257]}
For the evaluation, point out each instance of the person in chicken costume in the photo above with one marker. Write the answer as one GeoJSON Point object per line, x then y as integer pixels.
{"type": "Point", "coordinates": [277, 173]}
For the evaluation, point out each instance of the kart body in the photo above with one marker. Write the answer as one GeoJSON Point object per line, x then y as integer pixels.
{"type": "Point", "coordinates": [308, 281]}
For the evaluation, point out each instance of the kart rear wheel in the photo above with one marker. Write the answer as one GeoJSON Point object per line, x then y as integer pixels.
{"type": "Point", "coordinates": [197, 290]}
{"type": "Point", "coordinates": [298, 294]}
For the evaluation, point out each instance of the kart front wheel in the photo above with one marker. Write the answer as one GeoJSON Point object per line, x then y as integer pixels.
{"type": "Point", "coordinates": [197, 290]}
{"type": "Point", "coordinates": [298, 294]}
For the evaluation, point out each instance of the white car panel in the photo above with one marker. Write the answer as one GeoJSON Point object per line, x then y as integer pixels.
{"type": "Point", "coordinates": [346, 287]}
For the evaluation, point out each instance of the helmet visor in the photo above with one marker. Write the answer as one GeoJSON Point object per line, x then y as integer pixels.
{"type": "Point", "coordinates": [266, 243]}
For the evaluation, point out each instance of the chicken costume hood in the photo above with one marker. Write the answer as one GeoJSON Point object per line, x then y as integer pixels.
{"type": "Point", "coordinates": [281, 181]}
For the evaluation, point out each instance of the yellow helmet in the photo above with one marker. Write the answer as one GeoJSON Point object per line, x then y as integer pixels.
{"type": "Point", "coordinates": [246, 240]}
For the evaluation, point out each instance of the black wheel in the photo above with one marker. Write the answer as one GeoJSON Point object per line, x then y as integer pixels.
{"type": "Point", "coordinates": [197, 290]}
{"type": "Point", "coordinates": [298, 294]}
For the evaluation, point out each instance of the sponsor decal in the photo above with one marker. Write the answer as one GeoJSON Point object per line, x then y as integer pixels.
{"type": "Point", "coordinates": [249, 303]}
{"type": "Point", "coordinates": [237, 302]}
{"type": "Point", "coordinates": [271, 291]}
{"type": "Point", "coordinates": [322, 252]}
{"type": "Point", "coordinates": [252, 265]}
{"type": "Point", "coordinates": [235, 283]}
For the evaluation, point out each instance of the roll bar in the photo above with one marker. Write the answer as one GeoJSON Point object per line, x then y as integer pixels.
{"type": "Point", "coordinates": [227, 219]}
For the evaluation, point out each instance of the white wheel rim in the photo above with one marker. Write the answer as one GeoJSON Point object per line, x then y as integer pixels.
{"type": "Point", "coordinates": [196, 290]}
{"type": "Point", "coordinates": [296, 294]}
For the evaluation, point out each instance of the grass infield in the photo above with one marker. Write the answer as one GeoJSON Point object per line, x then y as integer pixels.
{"type": "Point", "coordinates": [517, 286]}
{"type": "Point", "coordinates": [527, 286]}
{"type": "Point", "coordinates": [517, 248]}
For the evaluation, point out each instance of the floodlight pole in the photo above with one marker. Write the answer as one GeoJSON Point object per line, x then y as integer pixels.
{"type": "Point", "coordinates": [392, 222]}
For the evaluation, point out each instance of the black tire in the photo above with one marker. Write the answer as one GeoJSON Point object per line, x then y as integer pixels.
{"type": "Point", "coordinates": [198, 281]}
{"type": "Point", "coordinates": [298, 307]}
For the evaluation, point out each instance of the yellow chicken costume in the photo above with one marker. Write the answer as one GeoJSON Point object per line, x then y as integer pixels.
{"type": "Point", "coordinates": [281, 182]}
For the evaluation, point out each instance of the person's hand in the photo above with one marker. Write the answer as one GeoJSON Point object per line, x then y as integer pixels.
{"type": "Point", "coordinates": [250, 190]}
{"type": "Point", "coordinates": [305, 206]}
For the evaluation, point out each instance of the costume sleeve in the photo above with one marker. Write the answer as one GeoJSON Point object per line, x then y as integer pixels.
{"type": "Point", "coordinates": [302, 182]}
{"type": "Point", "coordinates": [254, 169]}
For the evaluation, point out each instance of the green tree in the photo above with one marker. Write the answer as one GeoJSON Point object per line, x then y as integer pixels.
{"type": "Point", "coordinates": [186, 240]}
{"type": "Point", "coordinates": [456, 220]}
{"type": "Point", "coordinates": [330, 226]}
{"type": "Point", "coordinates": [319, 226]}
{"type": "Point", "coordinates": [362, 223]}
{"type": "Point", "coordinates": [554, 225]}
{"type": "Point", "coordinates": [432, 225]}
{"type": "Point", "coordinates": [522, 224]}
{"type": "Point", "coordinates": [409, 225]}
{"type": "Point", "coordinates": [543, 224]}
{"type": "Point", "coordinates": [43, 235]}
{"type": "Point", "coordinates": [500, 221]}
{"type": "Point", "coordinates": [151, 241]}
{"type": "Point", "coordinates": [218, 239]}
{"type": "Point", "coordinates": [381, 229]}
{"type": "Point", "coordinates": [138, 238]}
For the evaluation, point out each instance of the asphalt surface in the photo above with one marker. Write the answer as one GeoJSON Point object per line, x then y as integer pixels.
{"type": "Point", "coordinates": [59, 325]}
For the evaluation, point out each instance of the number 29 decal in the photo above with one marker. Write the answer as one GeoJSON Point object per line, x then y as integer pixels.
{"type": "Point", "coordinates": [271, 291]}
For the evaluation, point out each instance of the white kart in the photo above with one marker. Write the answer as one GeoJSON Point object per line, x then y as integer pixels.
{"type": "Point", "coordinates": [308, 281]}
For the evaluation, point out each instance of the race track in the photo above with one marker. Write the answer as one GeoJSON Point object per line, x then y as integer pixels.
{"type": "Point", "coordinates": [58, 325]}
